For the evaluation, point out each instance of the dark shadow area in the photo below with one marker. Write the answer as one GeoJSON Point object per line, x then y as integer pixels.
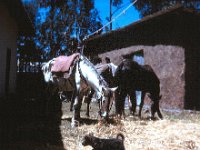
{"type": "Point", "coordinates": [25, 123]}
{"type": "Point", "coordinates": [192, 78]}
{"type": "Point", "coordinates": [88, 121]}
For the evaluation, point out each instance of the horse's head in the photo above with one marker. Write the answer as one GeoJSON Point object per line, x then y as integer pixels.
{"type": "Point", "coordinates": [107, 94]}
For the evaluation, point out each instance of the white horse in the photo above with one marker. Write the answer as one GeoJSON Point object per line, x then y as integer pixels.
{"type": "Point", "coordinates": [85, 70]}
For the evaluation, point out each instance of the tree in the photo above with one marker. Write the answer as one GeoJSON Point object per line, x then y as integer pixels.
{"type": "Point", "coordinates": [26, 47]}
{"type": "Point", "coordinates": [115, 3]}
{"type": "Point", "coordinates": [27, 52]}
{"type": "Point", "coordinates": [62, 24]}
{"type": "Point", "coordinates": [146, 7]}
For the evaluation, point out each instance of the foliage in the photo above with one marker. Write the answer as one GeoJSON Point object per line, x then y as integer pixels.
{"type": "Point", "coordinates": [61, 24]}
{"type": "Point", "coordinates": [26, 50]}
{"type": "Point", "coordinates": [117, 3]}
{"type": "Point", "coordinates": [146, 7]}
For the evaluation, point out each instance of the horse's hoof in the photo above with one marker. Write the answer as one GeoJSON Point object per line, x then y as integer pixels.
{"type": "Point", "coordinates": [133, 114]}
{"type": "Point", "coordinates": [160, 117]}
{"type": "Point", "coordinates": [100, 123]}
{"type": "Point", "coordinates": [103, 121]}
{"type": "Point", "coordinates": [87, 115]}
{"type": "Point", "coordinates": [153, 118]}
{"type": "Point", "coordinates": [104, 114]}
{"type": "Point", "coordinates": [120, 116]}
{"type": "Point", "coordinates": [74, 123]}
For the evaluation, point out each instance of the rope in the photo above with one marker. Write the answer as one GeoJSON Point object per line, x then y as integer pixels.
{"type": "Point", "coordinates": [123, 12]}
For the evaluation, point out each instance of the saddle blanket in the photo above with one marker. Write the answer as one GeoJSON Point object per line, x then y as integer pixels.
{"type": "Point", "coordinates": [63, 63]}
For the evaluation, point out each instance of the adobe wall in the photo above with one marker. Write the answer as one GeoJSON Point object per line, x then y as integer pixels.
{"type": "Point", "coordinates": [168, 63]}
{"type": "Point", "coordinates": [8, 38]}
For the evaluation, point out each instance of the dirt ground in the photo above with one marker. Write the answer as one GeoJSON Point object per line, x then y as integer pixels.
{"type": "Point", "coordinates": [179, 130]}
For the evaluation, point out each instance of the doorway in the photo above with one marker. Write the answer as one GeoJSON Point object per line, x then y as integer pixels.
{"type": "Point", "coordinates": [138, 56]}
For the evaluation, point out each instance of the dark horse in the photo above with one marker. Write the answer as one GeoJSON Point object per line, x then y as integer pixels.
{"type": "Point", "coordinates": [131, 77]}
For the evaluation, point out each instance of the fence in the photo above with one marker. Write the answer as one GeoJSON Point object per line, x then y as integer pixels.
{"type": "Point", "coordinates": [29, 66]}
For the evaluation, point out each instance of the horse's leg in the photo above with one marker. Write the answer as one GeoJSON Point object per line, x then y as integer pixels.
{"type": "Point", "coordinates": [158, 109]}
{"type": "Point", "coordinates": [107, 106]}
{"type": "Point", "coordinates": [132, 107]}
{"type": "Point", "coordinates": [72, 100]}
{"type": "Point", "coordinates": [89, 101]}
{"type": "Point", "coordinates": [76, 112]}
{"type": "Point", "coordinates": [119, 102]}
{"type": "Point", "coordinates": [155, 106]}
{"type": "Point", "coordinates": [77, 100]}
{"type": "Point", "coordinates": [153, 109]}
{"type": "Point", "coordinates": [159, 113]}
{"type": "Point", "coordinates": [112, 101]}
{"type": "Point", "coordinates": [123, 96]}
{"type": "Point", "coordinates": [141, 103]}
{"type": "Point", "coordinates": [88, 108]}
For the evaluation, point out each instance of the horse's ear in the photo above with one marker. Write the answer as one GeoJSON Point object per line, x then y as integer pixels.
{"type": "Point", "coordinates": [113, 89]}
{"type": "Point", "coordinates": [105, 91]}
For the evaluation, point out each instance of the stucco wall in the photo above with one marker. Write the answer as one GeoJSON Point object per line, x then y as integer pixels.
{"type": "Point", "coordinates": [168, 63]}
{"type": "Point", "coordinates": [8, 37]}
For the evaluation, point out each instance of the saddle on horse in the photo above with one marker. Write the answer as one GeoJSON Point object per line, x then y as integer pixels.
{"type": "Point", "coordinates": [63, 65]}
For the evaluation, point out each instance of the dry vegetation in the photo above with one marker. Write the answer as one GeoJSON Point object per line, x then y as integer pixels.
{"type": "Point", "coordinates": [180, 130]}
{"type": "Point", "coordinates": [24, 127]}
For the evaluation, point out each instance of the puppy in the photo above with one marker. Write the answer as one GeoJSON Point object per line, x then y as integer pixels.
{"type": "Point", "coordinates": [104, 144]}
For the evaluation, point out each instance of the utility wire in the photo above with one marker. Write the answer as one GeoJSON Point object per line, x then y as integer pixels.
{"type": "Point", "coordinates": [114, 19]}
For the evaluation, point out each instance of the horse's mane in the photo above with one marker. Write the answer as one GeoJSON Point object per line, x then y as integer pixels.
{"type": "Point", "coordinates": [47, 65]}
{"type": "Point", "coordinates": [88, 62]}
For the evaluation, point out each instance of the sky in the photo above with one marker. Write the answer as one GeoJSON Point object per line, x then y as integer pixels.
{"type": "Point", "coordinates": [130, 16]}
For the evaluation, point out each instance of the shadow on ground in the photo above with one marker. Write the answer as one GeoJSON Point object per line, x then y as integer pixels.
{"type": "Point", "coordinates": [25, 125]}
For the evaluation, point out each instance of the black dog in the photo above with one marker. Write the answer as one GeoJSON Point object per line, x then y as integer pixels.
{"type": "Point", "coordinates": [104, 144]}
